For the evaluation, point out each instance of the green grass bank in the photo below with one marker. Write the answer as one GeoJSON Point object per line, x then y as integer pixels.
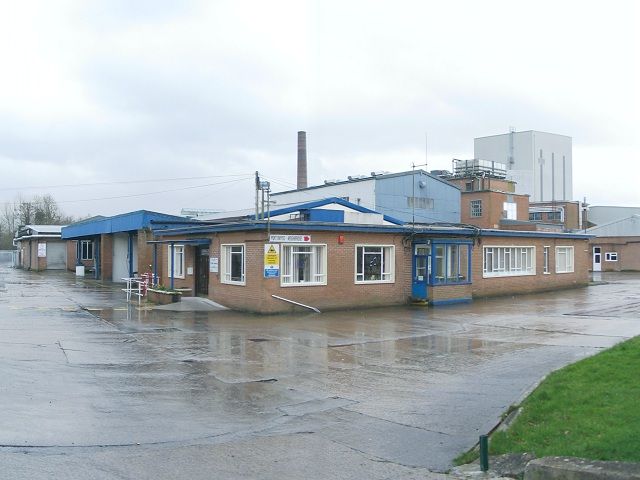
{"type": "Point", "coordinates": [590, 409]}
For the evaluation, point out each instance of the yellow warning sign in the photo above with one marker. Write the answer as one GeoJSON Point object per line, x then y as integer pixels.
{"type": "Point", "coordinates": [271, 255]}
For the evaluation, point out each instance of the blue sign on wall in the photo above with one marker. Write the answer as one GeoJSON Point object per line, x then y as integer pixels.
{"type": "Point", "coordinates": [271, 272]}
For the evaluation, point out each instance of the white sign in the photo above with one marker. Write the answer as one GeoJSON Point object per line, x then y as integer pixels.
{"type": "Point", "coordinates": [290, 238]}
{"type": "Point", "coordinates": [213, 264]}
{"type": "Point", "coordinates": [42, 250]}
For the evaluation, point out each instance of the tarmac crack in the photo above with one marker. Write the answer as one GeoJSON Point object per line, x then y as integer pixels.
{"type": "Point", "coordinates": [63, 351]}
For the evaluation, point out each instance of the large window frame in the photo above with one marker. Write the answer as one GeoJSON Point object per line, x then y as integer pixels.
{"type": "Point", "coordinates": [86, 250]}
{"type": "Point", "coordinates": [565, 259]}
{"type": "Point", "coordinates": [508, 261]}
{"type": "Point", "coordinates": [306, 260]}
{"type": "Point", "coordinates": [611, 256]}
{"type": "Point", "coordinates": [451, 263]}
{"type": "Point", "coordinates": [384, 257]}
{"type": "Point", "coordinates": [178, 261]}
{"type": "Point", "coordinates": [234, 262]}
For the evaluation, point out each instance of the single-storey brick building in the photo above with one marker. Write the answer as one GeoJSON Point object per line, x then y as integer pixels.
{"type": "Point", "coordinates": [332, 254]}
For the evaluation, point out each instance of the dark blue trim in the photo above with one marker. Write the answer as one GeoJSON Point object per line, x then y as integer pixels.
{"type": "Point", "coordinates": [451, 301]}
{"type": "Point", "coordinates": [190, 241]}
{"type": "Point", "coordinates": [125, 222]}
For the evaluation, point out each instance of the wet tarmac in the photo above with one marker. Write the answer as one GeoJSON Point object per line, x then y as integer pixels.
{"type": "Point", "coordinates": [93, 387]}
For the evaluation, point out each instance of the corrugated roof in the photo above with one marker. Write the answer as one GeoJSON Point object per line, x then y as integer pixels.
{"type": "Point", "coordinates": [624, 227]}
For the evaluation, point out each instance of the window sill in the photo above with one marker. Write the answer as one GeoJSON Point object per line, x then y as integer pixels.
{"type": "Point", "coordinates": [239, 284]}
{"type": "Point", "coordinates": [305, 284]}
{"type": "Point", "coordinates": [373, 282]}
{"type": "Point", "coordinates": [484, 275]}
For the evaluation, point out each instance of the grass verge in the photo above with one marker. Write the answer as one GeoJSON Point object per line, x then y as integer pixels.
{"type": "Point", "coordinates": [588, 409]}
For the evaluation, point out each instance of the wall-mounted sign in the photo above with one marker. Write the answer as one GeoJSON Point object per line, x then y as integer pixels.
{"type": "Point", "coordinates": [290, 238]}
{"type": "Point", "coordinates": [213, 264]}
{"type": "Point", "coordinates": [271, 260]}
{"type": "Point", "coordinates": [42, 250]}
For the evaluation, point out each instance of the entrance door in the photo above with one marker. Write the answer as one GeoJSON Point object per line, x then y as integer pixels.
{"type": "Point", "coordinates": [597, 259]}
{"type": "Point", "coordinates": [202, 271]}
{"type": "Point", "coordinates": [421, 271]}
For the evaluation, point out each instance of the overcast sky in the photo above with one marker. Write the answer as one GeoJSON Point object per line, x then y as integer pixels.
{"type": "Point", "coordinates": [102, 102]}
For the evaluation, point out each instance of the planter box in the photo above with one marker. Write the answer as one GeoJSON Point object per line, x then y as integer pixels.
{"type": "Point", "coordinates": [162, 297]}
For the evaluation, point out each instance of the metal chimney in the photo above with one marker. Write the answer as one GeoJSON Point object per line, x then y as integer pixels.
{"type": "Point", "coordinates": [302, 160]}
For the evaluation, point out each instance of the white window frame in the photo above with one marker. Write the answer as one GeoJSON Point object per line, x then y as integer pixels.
{"type": "Point", "coordinates": [391, 274]}
{"type": "Point", "coordinates": [82, 247]}
{"type": "Point", "coordinates": [226, 252]}
{"type": "Point", "coordinates": [611, 256]}
{"type": "Point", "coordinates": [286, 264]}
{"type": "Point", "coordinates": [507, 260]}
{"type": "Point", "coordinates": [478, 212]}
{"type": "Point", "coordinates": [569, 266]}
{"type": "Point", "coordinates": [546, 252]}
{"type": "Point", "coordinates": [178, 265]}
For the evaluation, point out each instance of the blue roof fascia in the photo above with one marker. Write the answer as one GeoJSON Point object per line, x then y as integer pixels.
{"type": "Point", "coordinates": [331, 200]}
{"type": "Point", "coordinates": [237, 227]}
{"type": "Point", "coordinates": [124, 222]}
{"type": "Point", "coordinates": [534, 234]}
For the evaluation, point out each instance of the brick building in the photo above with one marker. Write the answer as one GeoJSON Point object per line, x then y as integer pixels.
{"type": "Point", "coordinates": [615, 246]}
{"type": "Point", "coordinates": [354, 257]}
{"type": "Point", "coordinates": [113, 248]}
{"type": "Point", "coordinates": [40, 247]}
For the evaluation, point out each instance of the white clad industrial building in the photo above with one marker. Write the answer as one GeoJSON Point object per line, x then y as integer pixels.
{"type": "Point", "coordinates": [539, 162]}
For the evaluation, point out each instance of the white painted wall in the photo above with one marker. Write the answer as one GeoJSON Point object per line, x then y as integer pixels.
{"type": "Point", "coordinates": [359, 192]}
{"type": "Point", "coordinates": [543, 164]}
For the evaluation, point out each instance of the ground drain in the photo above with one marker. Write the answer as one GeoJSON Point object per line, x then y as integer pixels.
{"type": "Point", "coordinates": [258, 339]}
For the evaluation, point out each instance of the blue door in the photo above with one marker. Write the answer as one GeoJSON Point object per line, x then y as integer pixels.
{"type": "Point", "coordinates": [421, 271]}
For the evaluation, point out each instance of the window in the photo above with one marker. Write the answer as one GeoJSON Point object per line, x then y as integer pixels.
{"type": "Point", "coordinates": [420, 202]}
{"type": "Point", "coordinates": [451, 263]}
{"type": "Point", "coordinates": [546, 260]}
{"type": "Point", "coordinates": [178, 261]}
{"type": "Point", "coordinates": [86, 246]}
{"type": "Point", "coordinates": [468, 186]}
{"type": "Point", "coordinates": [374, 263]}
{"type": "Point", "coordinates": [611, 256]}
{"type": "Point", "coordinates": [304, 265]}
{"type": "Point", "coordinates": [510, 210]}
{"type": "Point", "coordinates": [535, 216]}
{"type": "Point", "coordinates": [476, 208]}
{"type": "Point", "coordinates": [508, 261]}
{"type": "Point", "coordinates": [564, 259]}
{"type": "Point", "coordinates": [555, 216]}
{"type": "Point", "coordinates": [233, 264]}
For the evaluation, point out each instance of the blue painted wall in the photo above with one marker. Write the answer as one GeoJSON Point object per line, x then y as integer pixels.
{"type": "Point", "coordinates": [393, 192]}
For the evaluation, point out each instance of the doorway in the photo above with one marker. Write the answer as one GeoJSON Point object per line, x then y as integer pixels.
{"type": "Point", "coordinates": [202, 271]}
{"type": "Point", "coordinates": [421, 271]}
{"type": "Point", "coordinates": [597, 259]}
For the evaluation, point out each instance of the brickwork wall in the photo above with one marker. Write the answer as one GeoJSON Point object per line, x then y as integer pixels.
{"type": "Point", "coordinates": [492, 208]}
{"type": "Point", "coordinates": [483, 287]}
{"type": "Point", "coordinates": [339, 292]}
{"type": "Point", "coordinates": [106, 256]}
{"type": "Point", "coordinates": [71, 256]}
{"type": "Point", "coordinates": [439, 293]}
{"type": "Point", "coordinates": [628, 249]}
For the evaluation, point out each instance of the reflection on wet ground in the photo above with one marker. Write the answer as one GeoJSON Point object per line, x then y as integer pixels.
{"type": "Point", "coordinates": [410, 385]}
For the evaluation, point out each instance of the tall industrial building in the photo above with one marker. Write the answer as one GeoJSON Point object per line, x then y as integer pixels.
{"type": "Point", "coordinates": [540, 163]}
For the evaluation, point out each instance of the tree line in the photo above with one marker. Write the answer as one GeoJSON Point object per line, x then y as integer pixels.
{"type": "Point", "coordinates": [38, 210]}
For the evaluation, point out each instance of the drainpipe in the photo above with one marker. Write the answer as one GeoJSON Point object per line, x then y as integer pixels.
{"type": "Point", "coordinates": [130, 254]}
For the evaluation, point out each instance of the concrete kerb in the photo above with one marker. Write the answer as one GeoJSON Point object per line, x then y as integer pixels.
{"type": "Point", "coordinates": [571, 468]}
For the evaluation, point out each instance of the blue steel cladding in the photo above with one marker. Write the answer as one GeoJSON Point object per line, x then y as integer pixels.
{"type": "Point", "coordinates": [126, 222]}
{"type": "Point", "coordinates": [393, 193]}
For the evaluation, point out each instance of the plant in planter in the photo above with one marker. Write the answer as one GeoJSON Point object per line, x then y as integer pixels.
{"type": "Point", "coordinates": [162, 295]}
